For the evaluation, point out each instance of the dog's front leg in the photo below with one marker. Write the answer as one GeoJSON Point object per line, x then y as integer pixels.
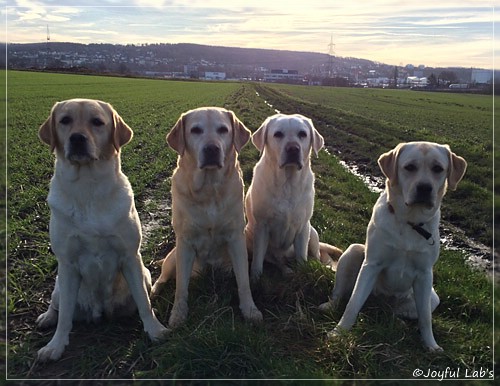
{"type": "Point", "coordinates": [239, 258]}
{"type": "Point", "coordinates": [422, 289]}
{"type": "Point", "coordinates": [260, 244]}
{"type": "Point", "coordinates": [132, 271]}
{"type": "Point", "coordinates": [301, 243]}
{"type": "Point", "coordinates": [185, 256]}
{"type": "Point", "coordinates": [69, 283]}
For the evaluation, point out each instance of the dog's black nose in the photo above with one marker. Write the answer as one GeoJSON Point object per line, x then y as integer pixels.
{"type": "Point", "coordinates": [292, 149]}
{"type": "Point", "coordinates": [77, 139]}
{"type": "Point", "coordinates": [424, 189]}
{"type": "Point", "coordinates": [211, 150]}
{"type": "Point", "coordinates": [211, 156]}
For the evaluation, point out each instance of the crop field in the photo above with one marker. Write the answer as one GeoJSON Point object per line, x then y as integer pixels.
{"type": "Point", "coordinates": [358, 125]}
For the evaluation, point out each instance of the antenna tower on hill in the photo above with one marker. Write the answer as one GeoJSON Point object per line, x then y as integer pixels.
{"type": "Point", "coordinates": [48, 39]}
{"type": "Point", "coordinates": [331, 54]}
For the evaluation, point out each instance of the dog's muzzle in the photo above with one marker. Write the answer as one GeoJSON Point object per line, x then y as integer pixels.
{"type": "Point", "coordinates": [292, 155]}
{"type": "Point", "coordinates": [211, 157]}
{"type": "Point", "coordinates": [423, 195]}
{"type": "Point", "coordinates": [78, 149]}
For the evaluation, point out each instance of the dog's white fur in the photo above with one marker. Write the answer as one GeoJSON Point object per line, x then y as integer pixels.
{"type": "Point", "coordinates": [95, 231]}
{"type": "Point", "coordinates": [397, 261]}
{"type": "Point", "coordinates": [279, 202]}
{"type": "Point", "coordinates": [207, 205]}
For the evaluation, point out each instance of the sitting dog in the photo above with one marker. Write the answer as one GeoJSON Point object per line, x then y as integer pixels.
{"type": "Point", "coordinates": [207, 205]}
{"type": "Point", "coordinates": [279, 202]}
{"type": "Point", "coordinates": [402, 243]}
{"type": "Point", "coordinates": [95, 231]}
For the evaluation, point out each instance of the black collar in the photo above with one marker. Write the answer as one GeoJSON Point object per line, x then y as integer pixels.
{"type": "Point", "coordinates": [416, 227]}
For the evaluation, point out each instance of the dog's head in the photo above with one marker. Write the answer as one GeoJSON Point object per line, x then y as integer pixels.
{"type": "Point", "coordinates": [289, 139]}
{"type": "Point", "coordinates": [84, 130]}
{"type": "Point", "coordinates": [422, 171]}
{"type": "Point", "coordinates": [208, 135]}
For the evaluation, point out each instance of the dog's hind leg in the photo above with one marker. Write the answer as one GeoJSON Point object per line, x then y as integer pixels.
{"type": "Point", "coordinates": [167, 272]}
{"type": "Point", "coordinates": [348, 268]}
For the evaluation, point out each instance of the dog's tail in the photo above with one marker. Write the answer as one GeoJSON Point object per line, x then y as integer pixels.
{"type": "Point", "coordinates": [329, 255]}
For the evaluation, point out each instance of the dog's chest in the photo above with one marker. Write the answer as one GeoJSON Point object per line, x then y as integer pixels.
{"type": "Point", "coordinates": [287, 220]}
{"type": "Point", "coordinates": [93, 232]}
{"type": "Point", "coordinates": [88, 210]}
{"type": "Point", "coordinates": [399, 275]}
{"type": "Point", "coordinates": [211, 224]}
{"type": "Point", "coordinates": [92, 255]}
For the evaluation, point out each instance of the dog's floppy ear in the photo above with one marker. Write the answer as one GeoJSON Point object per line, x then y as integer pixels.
{"type": "Point", "coordinates": [456, 170]}
{"type": "Point", "coordinates": [259, 136]}
{"type": "Point", "coordinates": [175, 138]}
{"type": "Point", "coordinates": [47, 132]}
{"type": "Point", "coordinates": [388, 164]}
{"type": "Point", "coordinates": [317, 139]}
{"type": "Point", "coordinates": [122, 133]}
{"type": "Point", "coordinates": [241, 134]}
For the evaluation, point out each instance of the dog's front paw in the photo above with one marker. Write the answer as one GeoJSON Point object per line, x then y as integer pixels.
{"type": "Point", "coordinates": [51, 351]}
{"type": "Point", "coordinates": [331, 335]}
{"type": "Point", "coordinates": [255, 274]}
{"type": "Point", "coordinates": [327, 306]}
{"type": "Point", "coordinates": [335, 333]}
{"type": "Point", "coordinates": [157, 331]}
{"type": "Point", "coordinates": [435, 349]}
{"type": "Point", "coordinates": [253, 315]}
{"type": "Point", "coordinates": [47, 319]}
{"type": "Point", "coordinates": [178, 315]}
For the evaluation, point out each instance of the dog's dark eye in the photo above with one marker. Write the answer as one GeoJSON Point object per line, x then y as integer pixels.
{"type": "Point", "coordinates": [222, 130]}
{"type": "Point", "coordinates": [196, 130]}
{"type": "Point", "coordinates": [302, 134]}
{"type": "Point", "coordinates": [97, 122]}
{"type": "Point", "coordinates": [410, 168]}
{"type": "Point", "coordinates": [278, 134]}
{"type": "Point", "coordinates": [437, 169]}
{"type": "Point", "coordinates": [66, 120]}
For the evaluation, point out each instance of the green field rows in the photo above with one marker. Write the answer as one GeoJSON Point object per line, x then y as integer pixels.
{"type": "Point", "coordinates": [216, 342]}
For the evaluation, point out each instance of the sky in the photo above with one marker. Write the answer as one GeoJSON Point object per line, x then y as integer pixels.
{"type": "Point", "coordinates": [437, 33]}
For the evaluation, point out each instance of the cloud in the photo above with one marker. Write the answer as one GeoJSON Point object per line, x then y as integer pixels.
{"type": "Point", "coordinates": [386, 29]}
{"type": "Point", "coordinates": [29, 11]}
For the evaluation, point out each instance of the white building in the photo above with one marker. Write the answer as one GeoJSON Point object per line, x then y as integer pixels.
{"type": "Point", "coordinates": [415, 81]}
{"type": "Point", "coordinates": [211, 75]}
{"type": "Point", "coordinates": [283, 75]}
{"type": "Point", "coordinates": [481, 76]}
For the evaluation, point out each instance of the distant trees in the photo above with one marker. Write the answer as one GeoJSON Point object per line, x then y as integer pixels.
{"type": "Point", "coordinates": [448, 77]}
{"type": "Point", "coordinates": [335, 82]}
{"type": "Point", "coordinates": [445, 78]}
{"type": "Point", "coordinates": [432, 80]}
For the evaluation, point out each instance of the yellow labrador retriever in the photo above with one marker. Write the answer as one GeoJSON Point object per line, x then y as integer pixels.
{"type": "Point", "coordinates": [94, 227]}
{"type": "Point", "coordinates": [279, 202]}
{"type": "Point", "coordinates": [402, 243]}
{"type": "Point", "coordinates": [207, 205]}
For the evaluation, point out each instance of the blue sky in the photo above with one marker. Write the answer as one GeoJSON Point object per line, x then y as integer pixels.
{"type": "Point", "coordinates": [433, 33]}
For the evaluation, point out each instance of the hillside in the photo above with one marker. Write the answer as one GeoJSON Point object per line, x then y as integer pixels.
{"type": "Point", "coordinates": [235, 62]}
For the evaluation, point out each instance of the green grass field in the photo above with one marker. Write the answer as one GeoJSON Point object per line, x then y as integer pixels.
{"type": "Point", "coordinates": [216, 342]}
